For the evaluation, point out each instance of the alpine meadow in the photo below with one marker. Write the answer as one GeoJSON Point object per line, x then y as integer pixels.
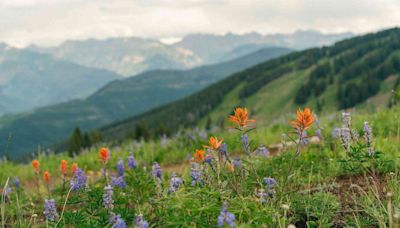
{"type": "Point", "coordinates": [199, 113]}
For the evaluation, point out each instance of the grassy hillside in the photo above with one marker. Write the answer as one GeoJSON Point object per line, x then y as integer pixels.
{"type": "Point", "coordinates": [350, 73]}
{"type": "Point", "coordinates": [119, 99]}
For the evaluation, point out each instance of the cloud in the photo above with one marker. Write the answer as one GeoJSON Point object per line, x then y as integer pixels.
{"type": "Point", "coordinates": [49, 22]}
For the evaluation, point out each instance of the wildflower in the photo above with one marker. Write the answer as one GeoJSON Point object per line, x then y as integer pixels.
{"type": "Point", "coordinates": [302, 137]}
{"type": "Point", "coordinates": [345, 136]}
{"type": "Point", "coordinates": [74, 167]}
{"type": "Point", "coordinates": [140, 222]}
{"type": "Point", "coordinates": [245, 140]}
{"type": "Point", "coordinates": [195, 174]}
{"type": "Point", "coordinates": [104, 154]}
{"type": "Point", "coordinates": [80, 180]}
{"type": "Point", "coordinates": [118, 181]}
{"type": "Point", "coordinates": [262, 151]}
{"type": "Point", "coordinates": [214, 144]}
{"type": "Point", "coordinates": [120, 167]}
{"type": "Point", "coordinates": [50, 210]}
{"type": "Point", "coordinates": [318, 133]}
{"type": "Point", "coordinates": [36, 165]}
{"type": "Point", "coordinates": [262, 195]}
{"type": "Point", "coordinates": [108, 201]}
{"type": "Point", "coordinates": [241, 117]}
{"type": "Point", "coordinates": [335, 133]}
{"type": "Point", "coordinates": [156, 170]}
{"type": "Point", "coordinates": [17, 182]}
{"type": "Point", "coordinates": [46, 176]}
{"type": "Point", "coordinates": [174, 183]}
{"type": "Point", "coordinates": [270, 182]}
{"type": "Point", "coordinates": [116, 221]}
{"type": "Point", "coordinates": [226, 217]}
{"type": "Point", "coordinates": [64, 167]}
{"type": "Point", "coordinates": [237, 162]}
{"type": "Point", "coordinates": [346, 119]}
{"type": "Point", "coordinates": [199, 155]}
{"type": "Point", "coordinates": [132, 162]}
{"type": "Point", "coordinates": [304, 120]}
{"type": "Point", "coordinates": [209, 158]}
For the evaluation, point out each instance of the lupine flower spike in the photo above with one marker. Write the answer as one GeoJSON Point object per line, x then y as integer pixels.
{"type": "Point", "coordinates": [156, 171]}
{"type": "Point", "coordinates": [195, 174]}
{"type": "Point", "coordinates": [241, 118]}
{"type": "Point", "coordinates": [116, 221]}
{"type": "Point", "coordinates": [50, 210]}
{"type": "Point", "coordinates": [80, 181]}
{"type": "Point", "coordinates": [140, 222]}
{"type": "Point", "coordinates": [174, 183]}
{"type": "Point", "coordinates": [120, 167]}
{"type": "Point", "coordinates": [226, 217]}
{"type": "Point", "coordinates": [108, 201]}
{"type": "Point", "coordinates": [132, 162]}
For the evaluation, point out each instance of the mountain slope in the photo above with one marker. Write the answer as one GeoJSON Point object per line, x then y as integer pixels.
{"type": "Point", "coordinates": [29, 80]}
{"type": "Point", "coordinates": [353, 72]}
{"type": "Point", "coordinates": [117, 100]}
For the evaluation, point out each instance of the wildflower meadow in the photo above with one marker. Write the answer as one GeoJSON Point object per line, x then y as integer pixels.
{"type": "Point", "coordinates": [305, 172]}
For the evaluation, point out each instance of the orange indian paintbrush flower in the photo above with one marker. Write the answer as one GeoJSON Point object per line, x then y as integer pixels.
{"type": "Point", "coordinates": [74, 166]}
{"type": "Point", "coordinates": [241, 117]}
{"type": "Point", "coordinates": [213, 143]}
{"type": "Point", "coordinates": [199, 155]}
{"type": "Point", "coordinates": [64, 167]}
{"type": "Point", "coordinates": [304, 119]}
{"type": "Point", "coordinates": [46, 176]}
{"type": "Point", "coordinates": [104, 154]}
{"type": "Point", "coordinates": [36, 165]}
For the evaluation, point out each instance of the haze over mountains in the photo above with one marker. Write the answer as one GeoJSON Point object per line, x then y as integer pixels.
{"type": "Point", "coordinates": [129, 56]}
{"type": "Point", "coordinates": [29, 80]}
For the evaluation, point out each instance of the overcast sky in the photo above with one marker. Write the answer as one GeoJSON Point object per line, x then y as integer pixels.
{"type": "Point", "coordinates": [49, 22]}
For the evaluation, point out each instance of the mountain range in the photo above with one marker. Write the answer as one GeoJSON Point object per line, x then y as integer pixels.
{"type": "Point", "coordinates": [130, 56]}
{"type": "Point", "coordinates": [117, 100]}
{"type": "Point", "coordinates": [29, 80]}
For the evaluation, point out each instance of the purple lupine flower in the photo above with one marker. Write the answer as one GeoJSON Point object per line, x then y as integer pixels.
{"type": "Point", "coordinates": [346, 119]}
{"type": "Point", "coordinates": [226, 217]}
{"type": "Point", "coordinates": [140, 222]}
{"type": "Point", "coordinates": [132, 162]}
{"type": "Point", "coordinates": [156, 171]}
{"type": "Point", "coordinates": [345, 136]}
{"type": "Point", "coordinates": [303, 140]}
{"type": "Point", "coordinates": [245, 140]}
{"type": "Point", "coordinates": [80, 180]}
{"type": "Point", "coordinates": [118, 181]}
{"type": "Point", "coordinates": [335, 133]}
{"type": "Point", "coordinates": [367, 133]}
{"type": "Point", "coordinates": [50, 210]}
{"type": "Point", "coordinates": [262, 195]}
{"type": "Point", "coordinates": [120, 167]}
{"type": "Point", "coordinates": [174, 183]}
{"type": "Point", "coordinates": [262, 151]}
{"type": "Point", "coordinates": [270, 182]}
{"type": "Point", "coordinates": [17, 182]}
{"type": "Point", "coordinates": [108, 201]}
{"type": "Point", "coordinates": [209, 159]}
{"type": "Point", "coordinates": [237, 162]}
{"type": "Point", "coordinates": [203, 134]}
{"type": "Point", "coordinates": [116, 221]}
{"type": "Point", "coordinates": [224, 150]}
{"type": "Point", "coordinates": [195, 174]}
